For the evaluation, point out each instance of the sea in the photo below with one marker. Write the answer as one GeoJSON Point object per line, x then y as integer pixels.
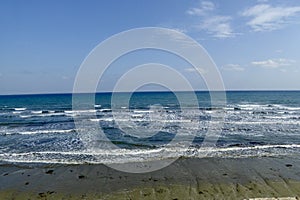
{"type": "Point", "coordinates": [41, 128]}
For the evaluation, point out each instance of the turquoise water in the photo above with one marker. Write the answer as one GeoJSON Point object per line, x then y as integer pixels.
{"type": "Point", "coordinates": [40, 128]}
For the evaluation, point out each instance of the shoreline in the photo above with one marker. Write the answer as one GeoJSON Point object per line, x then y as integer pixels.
{"type": "Point", "coordinates": [198, 178]}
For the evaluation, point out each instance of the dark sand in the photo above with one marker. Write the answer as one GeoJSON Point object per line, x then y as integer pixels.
{"type": "Point", "coordinates": [206, 178]}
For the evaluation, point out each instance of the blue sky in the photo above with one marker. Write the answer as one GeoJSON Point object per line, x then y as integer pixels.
{"type": "Point", "coordinates": [255, 44]}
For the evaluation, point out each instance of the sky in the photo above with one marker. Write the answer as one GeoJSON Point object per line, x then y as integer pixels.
{"type": "Point", "coordinates": [254, 44]}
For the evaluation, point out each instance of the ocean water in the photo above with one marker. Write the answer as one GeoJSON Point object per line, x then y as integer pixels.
{"type": "Point", "coordinates": [41, 128]}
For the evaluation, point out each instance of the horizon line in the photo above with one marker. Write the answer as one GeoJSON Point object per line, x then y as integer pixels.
{"type": "Point", "coordinates": [162, 91]}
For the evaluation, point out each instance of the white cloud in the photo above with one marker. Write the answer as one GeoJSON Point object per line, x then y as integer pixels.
{"type": "Point", "coordinates": [273, 63]}
{"type": "Point", "coordinates": [199, 69]}
{"type": "Point", "coordinates": [217, 25]}
{"type": "Point", "coordinates": [182, 30]}
{"type": "Point", "coordinates": [176, 37]}
{"type": "Point", "coordinates": [233, 67]}
{"type": "Point", "coordinates": [204, 8]}
{"type": "Point", "coordinates": [264, 17]}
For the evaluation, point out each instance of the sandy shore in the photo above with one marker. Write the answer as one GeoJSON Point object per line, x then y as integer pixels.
{"type": "Point", "coordinates": [206, 178]}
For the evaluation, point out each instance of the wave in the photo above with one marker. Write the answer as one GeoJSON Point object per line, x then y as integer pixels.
{"type": "Point", "coordinates": [140, 118]}
{"type": "Point", "coordinates": [143, 111]}
{"type": "Point", "coordinates": [111, 119]}
{"type": "Point", "coordinates": [262, 107]}
{"type": "Point", "coordinates": [41, 132]}
{"type": "Point", "coordinates": [249, 109]}
{"type": "Point", "coordinates": [264, 122]}
{"type": "Point", "coordinates": [110, 156]}
{"type": "Point", "coordinates": [137, 115]}
{"type": "Point", "coordinates": [282, 107]}
{"type": "Point", "coordinates": [286, 146]}
{"type": "Point", "coordinates": [25, 116]}
{"type": "Point", "coordinates": [43, 114]}
{"type": "Point", "coordinates": [20, 109]}
{"type": "Point", "coordinates": [79, 111]}
{"type": "Point", "coordinates": [43, 111]}
{"type": "Point", "coordinates": [37, 112]}
{"type": "Point", "coordinates": [105, 110]}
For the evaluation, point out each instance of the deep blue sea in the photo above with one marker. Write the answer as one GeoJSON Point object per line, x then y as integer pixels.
{"type": "Point", "coordinates": [41, 129]}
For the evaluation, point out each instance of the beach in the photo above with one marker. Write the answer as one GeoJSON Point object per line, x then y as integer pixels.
{"type": "Point", "coordinates": [43, 155]}
{"type": "Point", "coordinates": [186, 178]}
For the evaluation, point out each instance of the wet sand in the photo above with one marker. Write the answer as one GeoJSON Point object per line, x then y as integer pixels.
{"type": "Point", "coordinates": [187, 178]}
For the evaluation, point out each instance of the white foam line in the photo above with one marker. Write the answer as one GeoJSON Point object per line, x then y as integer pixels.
{"type": "Point", "coordinates": [137, 115]}
{"type": "Point", "coordinates": [253, 148]}
{"type": "Point", "coordinates": [103, 119]}
{"type": "Point", "coordinates": [138, 152]}
{"type": "Point", "coordinates": [139, 118]}
{"type": "Point", "coordinates": [50, 114]}
{"type": "Point", "coordinates": [105, 110]}
{"type": "Point", "coordinates": [104, 152]}
{"type": "Point", "coordinates": [273, 198]}
{"type": "Point", "coordinates": [20, 109]}
{"type": "Point", "coordinates": [25, 116]}
{"type": "Point", "coordinates": [79, 111]}
{"type": "Point", "coordinates": [143, 111]}
{"type": "Point", "coordinates": [46, 161]}
{"type": "Point", "coordinates": [265, 122]}
{"type": "Point", "coordinates": [42, 131]}
{"type": "Point", "coordinates": [69, 162]}
{"type": "Point", "coordinates": [37, 112]}
{"type": "Point", "coordinates": [136, 155]}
